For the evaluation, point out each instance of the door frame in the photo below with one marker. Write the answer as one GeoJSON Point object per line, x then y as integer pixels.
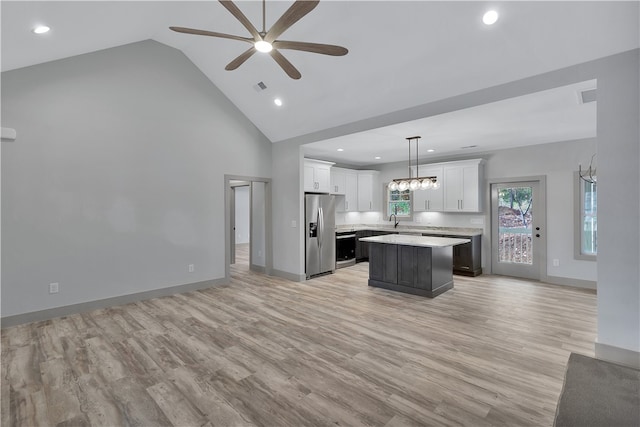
{"type": "Point", "coordinates": [227, 222]}
{"type": "Point", "coordinates": [540, 219]}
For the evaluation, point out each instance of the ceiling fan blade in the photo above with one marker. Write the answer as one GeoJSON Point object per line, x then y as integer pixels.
{"type": "Point", "coordinates": [240, 59]}
{"type": "Point", "coordinates": [231, 7]}
{"type": "Point", "coordinates": [297, 10]}
{"type": "Point", "coordinates": [210, 33]}
{"type": "Point", "coordinates": [285, 64]}
{"type": "Point", "coordinates": [324, 49]}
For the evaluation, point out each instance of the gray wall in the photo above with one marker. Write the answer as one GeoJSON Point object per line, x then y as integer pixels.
{"type": "Point", "coordinates": [116, 181]}
{"type": "Point", "coordinates": [242, 214]}
{"type": "Point", "coordinates": [288, 215]}
{"type": "Point", "coordinates": [618, 176]}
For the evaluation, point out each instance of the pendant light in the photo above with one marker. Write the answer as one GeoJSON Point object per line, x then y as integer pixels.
{"type": "Point", "coordinates": [414, 183]}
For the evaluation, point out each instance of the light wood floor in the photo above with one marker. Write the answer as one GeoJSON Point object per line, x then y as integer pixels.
{"type": "Point", "coordinates": [329, 351]}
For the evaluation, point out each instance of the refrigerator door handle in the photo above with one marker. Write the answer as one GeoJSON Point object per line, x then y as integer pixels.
{"type": "Point", "coordinates": [320, 226]}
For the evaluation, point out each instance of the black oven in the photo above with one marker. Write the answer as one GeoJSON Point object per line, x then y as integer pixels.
{"type": "Point", "coordinates": [345, 248]}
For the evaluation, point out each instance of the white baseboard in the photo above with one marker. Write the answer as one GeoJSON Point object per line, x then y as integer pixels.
{"type": "Point", "coordinates": [621, 356]}
{"type": "Point", "coordinates": [567, 281]}
{"type": "Point", "coordinates": [67, 310]}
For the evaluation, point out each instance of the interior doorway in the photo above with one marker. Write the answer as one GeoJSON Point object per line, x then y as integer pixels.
{"type": "Point", "coordinates": [247, 224]}
{"type": "Point", "coordinates": [240, 233]}
{"type": "Point", "coordinates": [518, 229]}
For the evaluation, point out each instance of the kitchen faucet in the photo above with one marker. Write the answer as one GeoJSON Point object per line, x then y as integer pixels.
{"type": "Point", "coordinates": [394, 214]}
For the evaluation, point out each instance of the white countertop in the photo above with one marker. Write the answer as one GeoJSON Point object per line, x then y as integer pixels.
{"type": "Point", "coordinates": [407, 240]}
{"type": "Point", "coordinates": [403, 229]}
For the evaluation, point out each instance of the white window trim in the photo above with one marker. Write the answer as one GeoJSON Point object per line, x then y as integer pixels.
{"type": "Point", "coordinates": [577, 221]}
{"type": "Point", "coordinates": [386, 206]}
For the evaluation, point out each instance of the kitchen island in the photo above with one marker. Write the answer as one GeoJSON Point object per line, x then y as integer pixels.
{"type": "Point", "coordinates": [419, 265]}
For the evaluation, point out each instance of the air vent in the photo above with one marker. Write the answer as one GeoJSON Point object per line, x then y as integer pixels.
{"type": "Point", "coordinates": [260, 86]}
{"type": "Point", "coordinates": [587, 96]}
{"type": "Point", "coordinates": [466, 147]}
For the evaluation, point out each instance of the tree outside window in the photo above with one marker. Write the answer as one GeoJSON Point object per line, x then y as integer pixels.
{"type": "Point", "coordinates": [589, 218]}
{"type": "Point", "coordinates": [399, 203]}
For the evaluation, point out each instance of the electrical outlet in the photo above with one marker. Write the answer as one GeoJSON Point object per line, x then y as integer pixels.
{"type": "Point", "coordinates": [192, 268]}
{"type": "Point", "coordinates": [54, 288]}
{"type": "Point", "coordinates": [293, 223]}
{"type": "Point", "coordinates": [556, 262]}
{"type": "Point", "coordinates": [418, 219]}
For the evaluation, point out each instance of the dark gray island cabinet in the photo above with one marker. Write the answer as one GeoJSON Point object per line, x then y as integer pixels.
{"type": "Point", "coordinates": [418, 265]}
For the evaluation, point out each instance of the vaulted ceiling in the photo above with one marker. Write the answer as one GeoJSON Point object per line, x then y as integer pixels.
{"type": "Point", "coordinates": [401, 53]}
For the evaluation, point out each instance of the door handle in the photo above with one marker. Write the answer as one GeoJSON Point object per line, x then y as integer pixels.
{"type": "Point", "coordinates": [320, 227]}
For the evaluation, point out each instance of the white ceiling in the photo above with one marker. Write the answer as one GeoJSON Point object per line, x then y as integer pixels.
{"type": "Point", "coordinates": [401, 53]}
{"type": "Point", "coordinates": [543, 117]}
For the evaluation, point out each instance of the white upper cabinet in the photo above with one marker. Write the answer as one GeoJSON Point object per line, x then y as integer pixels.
{"type": "Point", "coordinates": [317, 176]}
{"type": "Point", "coordinates": [369, 191]}
{"type": "Point", "coordinates": [430, 200]}
{"type": "Point", "coordinates": [344, 182]}
{"type": "Point", "coordinates": [351, 191]}
{"type": "Point", "coordinates": [462, 186]}
{"type": "Point", "coordinates": [338, 181]}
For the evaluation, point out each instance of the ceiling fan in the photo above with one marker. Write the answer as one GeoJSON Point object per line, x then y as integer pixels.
{"type": "Point", "coordinates": [266, 41]}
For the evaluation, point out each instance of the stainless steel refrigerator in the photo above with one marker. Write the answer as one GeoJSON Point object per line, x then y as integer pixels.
{"type": "Point", "coordinates": [320, 224]}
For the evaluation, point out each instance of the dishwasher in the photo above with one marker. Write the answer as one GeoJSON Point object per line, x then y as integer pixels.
{"type": "Point", "coordinates": [345, 248]}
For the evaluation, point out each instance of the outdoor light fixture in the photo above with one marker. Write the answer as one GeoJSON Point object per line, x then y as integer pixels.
{"type": "Point", "coordinates": [414, 183]}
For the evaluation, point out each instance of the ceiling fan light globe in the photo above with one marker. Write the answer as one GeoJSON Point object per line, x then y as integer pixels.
{"type": "Point", "coordinates": [263, 46]}
{"type": "Point", "coordinates": [403, 185]}
{"type": "Point", "coordinates": [435, 185]}
{"type": "Point", "coordinates": [414, 184]}
{"type": "Point", "coordinates": [393, 186]}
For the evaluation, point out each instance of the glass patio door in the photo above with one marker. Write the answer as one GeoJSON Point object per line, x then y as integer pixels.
{"type": "Point", "coordinates": [518, 229]}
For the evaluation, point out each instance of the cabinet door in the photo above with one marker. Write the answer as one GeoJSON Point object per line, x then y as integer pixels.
{"type": "Point", "coordinates": [423, 268]}
{"type": "Point", "coordinates": [435, 196]}
{"type": "Point", "coordinates": [323, 178]}
{"type": "Point", "coordinates": [420, 198]}
{"type": "Point", "coordinates": [309, 178]}
{"type": "Point", "coordinates": [453, 188]}
{"type": "Point", "coordinates": [390, 268]}
{"type": "Point", "coordinates": [462, 188]}
{"type": "Point", "coordinates": [407, 267]}
{"type": "Point", "coordinates": [430, 200]}
{"type": "Point", "coordinates": [338, 181]}
{"type": "Point", "coordinates": [470, 189]}
{"type": "Point", "coordinates": [376, 269]}
{"type": "Point", "coordinates": [369, 191]}
{"type": "Point", "coordinates": [365, 190]}
{"type": "Point", "coordinates": [351, 192]}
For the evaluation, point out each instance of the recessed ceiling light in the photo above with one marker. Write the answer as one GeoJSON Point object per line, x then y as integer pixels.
{"type": "Point", "coordinates": [41, 29]}
{"type": "Point", "coordinates": [430, 150]}
{"type": "Point", "coordinates": [490, 17]}
{"type": "Point", "coordinates": [278, 102]}
{"type": "Point", "coordinates": [378, 157]}
{"type": "Point", "coordinates": [340, 149]}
